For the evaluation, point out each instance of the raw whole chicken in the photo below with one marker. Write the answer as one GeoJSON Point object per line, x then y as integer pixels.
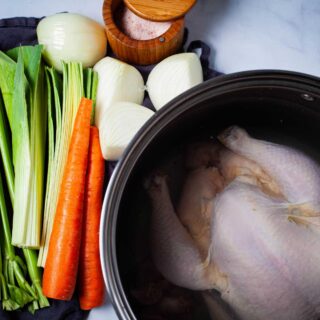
{"type": "Point", "coordinates": [247, 225]}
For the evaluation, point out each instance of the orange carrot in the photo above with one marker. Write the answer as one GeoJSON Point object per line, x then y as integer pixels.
{"type": "Point", "coordinates": [60, 272]}
{"type": "Point", "coordinates": [91, 285]}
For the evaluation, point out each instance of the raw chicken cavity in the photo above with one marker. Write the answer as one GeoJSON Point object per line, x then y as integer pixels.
{"type": "Point", "coordinates": [247, 225]}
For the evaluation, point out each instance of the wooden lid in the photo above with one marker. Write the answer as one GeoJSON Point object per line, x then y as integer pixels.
{"type": "Point", "coordinates": [160, 10]}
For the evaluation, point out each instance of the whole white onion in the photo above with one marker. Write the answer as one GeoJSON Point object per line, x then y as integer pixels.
{"type": "Point", "coordinates": [71, 37]}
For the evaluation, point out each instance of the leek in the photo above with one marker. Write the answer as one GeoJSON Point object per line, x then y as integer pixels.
{"type": "Point", "coordinates": [14, 269]}
{"type": "Point", "coordinates": [28, 125]}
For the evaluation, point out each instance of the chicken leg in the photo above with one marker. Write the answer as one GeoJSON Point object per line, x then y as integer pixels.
{"type": "Point", "coordinates": [175, 253]}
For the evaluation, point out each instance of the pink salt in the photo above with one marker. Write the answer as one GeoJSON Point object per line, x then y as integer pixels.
{"type": "Point", "coordinates": [138, 28]}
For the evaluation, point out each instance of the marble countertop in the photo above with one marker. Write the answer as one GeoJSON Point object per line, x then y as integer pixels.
{"type": "Point", "coordinates": [243, 35]}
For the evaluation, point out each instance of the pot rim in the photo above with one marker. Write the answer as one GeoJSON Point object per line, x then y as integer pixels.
{"type": "Point", "coordinates": [308, 85]}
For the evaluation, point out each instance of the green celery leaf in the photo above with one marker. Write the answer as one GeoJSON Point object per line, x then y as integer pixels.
{"type": "Point", "coordinates": [20, 296]}
{"type": "Point", "coordinates": [10, 305]}
{"type": "Point", "coordinates": [33, 306]}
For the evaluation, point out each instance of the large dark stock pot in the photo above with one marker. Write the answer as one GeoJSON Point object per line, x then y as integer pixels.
{"type": "Point", "coordinates": [277, 106]}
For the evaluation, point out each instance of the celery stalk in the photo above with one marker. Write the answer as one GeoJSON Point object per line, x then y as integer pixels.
{"type": "Point", "coordinates": [93, 97]}
{"type": "Point", "coordinates": [94, 86]}
{"type": "Point", "coordinates": [88, 82]}
{"type": "Point", "coordinates": [90, 86]}
{"type": "Point", "coordinates": [53, 112]}
{"type": "Point", "coordinates": [35, 275]}
{"type": "Point", "coordinates": [19, 291]}
{"type": "Point", "coordinates": [57, 97]}
{"type": "Point", "coordinates": [51, 130]}
{"type": "Point", "coordinates": [72, 93]}
{"type": "Point", "coordinates": [2, 280]}
{"type": "Point", "coordinates": [38, 129]}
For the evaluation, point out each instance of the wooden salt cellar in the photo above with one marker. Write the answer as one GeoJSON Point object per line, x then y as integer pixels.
{"type": "Point", "coordinates": [151, 51]}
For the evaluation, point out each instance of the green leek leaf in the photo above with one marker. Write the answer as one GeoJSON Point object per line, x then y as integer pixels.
{"type": "Point", "coordinates": [6, 152]}
{"type": "Point", "coordinates": [7, 74]}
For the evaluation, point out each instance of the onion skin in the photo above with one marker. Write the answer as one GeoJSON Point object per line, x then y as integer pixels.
{"type": "Point", "coordinates": [71, 37]}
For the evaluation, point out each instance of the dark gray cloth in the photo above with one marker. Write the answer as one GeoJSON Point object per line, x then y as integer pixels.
{"type": "Point", "coordinates": [22, 31]}
{"type": "Point", "coordinates": [17, 31]}
{"type": "Point", "coordinates": [58, 310]}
